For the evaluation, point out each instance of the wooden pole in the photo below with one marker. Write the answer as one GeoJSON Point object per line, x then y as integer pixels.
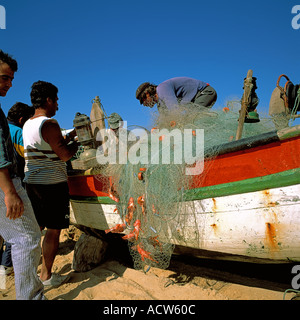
{"type": "Point", "coordinates": [97, 119]}
{"type": "Point", "coordinates": [245, 102]}
{"type": "Point", "coordinates": [97, 116]}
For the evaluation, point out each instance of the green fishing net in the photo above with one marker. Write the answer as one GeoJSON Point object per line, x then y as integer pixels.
{"type": "Point", "coordinates": [150, 194]}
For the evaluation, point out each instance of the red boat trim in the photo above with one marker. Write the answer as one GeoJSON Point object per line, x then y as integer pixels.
{"type": "Point", "coordinates": [88, 186]}
{"type": "Point", "coordinates": [277, 180]}
{"type": "Point", "coordinates": [251, 163]}
{"type": "Point", "coordinates": [257, 162]}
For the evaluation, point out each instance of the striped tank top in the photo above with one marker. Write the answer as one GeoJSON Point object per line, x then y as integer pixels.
{"type": "Point", "coordinates": [42, 165]}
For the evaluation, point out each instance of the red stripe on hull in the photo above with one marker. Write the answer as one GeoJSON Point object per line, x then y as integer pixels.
{"type": "Point", "coordinates": [88, 186]}
{"type": "Point", "coordinates": [236, 166]}
{"type": "Point", "coordinates": [255, 162]}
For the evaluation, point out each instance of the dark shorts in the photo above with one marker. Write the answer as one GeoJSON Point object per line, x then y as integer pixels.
{"type": "Point", "coordinates": [50, 204]}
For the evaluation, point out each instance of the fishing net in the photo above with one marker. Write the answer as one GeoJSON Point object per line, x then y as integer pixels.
{"type": "Point", "coordinates": [150, 194]}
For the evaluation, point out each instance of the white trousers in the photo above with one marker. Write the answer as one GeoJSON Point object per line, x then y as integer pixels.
{"type": "Point", "coordinates": [25, 236]}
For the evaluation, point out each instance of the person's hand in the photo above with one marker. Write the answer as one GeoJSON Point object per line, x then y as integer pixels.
{"type": "Point", "coordinates": [14, 205]}
{"type": "Point", "coordinates": [72, 135]}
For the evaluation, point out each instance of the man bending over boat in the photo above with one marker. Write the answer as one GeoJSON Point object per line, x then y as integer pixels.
{"type": "Point", "coordinates": [176, 91]}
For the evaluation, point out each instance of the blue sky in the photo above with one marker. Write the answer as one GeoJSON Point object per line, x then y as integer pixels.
{"type": "Point", "coordinates": [107, 48]}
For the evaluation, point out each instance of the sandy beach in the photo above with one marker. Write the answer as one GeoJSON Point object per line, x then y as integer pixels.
{"type": "Point", "coordinates": [185, 279]}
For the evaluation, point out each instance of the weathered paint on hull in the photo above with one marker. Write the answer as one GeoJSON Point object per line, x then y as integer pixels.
{"type": "Point", "coordinates": [263, 224]}
{"type": "Point", "coordinates": [251, 208]}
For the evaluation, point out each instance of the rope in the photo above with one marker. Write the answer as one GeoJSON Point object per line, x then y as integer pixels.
{"type": "Point", "coordinates": [296, 106]}
{"type": "Point", "coordinates": [101, 107]}
{"type": "Point", "coordinates": [283, 90]}
{"type": "Point", "coordinates": [290, 290]}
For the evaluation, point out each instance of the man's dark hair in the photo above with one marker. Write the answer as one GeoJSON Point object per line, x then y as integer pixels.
{"type": "Point", "coordinates": [41, 90]}
{"type": "Point", "coordinates": [19, 110]}
{"type": "Point", "coordinates": [6, 58]}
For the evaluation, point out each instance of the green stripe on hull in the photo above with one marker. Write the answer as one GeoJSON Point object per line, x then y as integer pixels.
{"type": "Point", "coordinates": [277, 180]}
{"type": "Point", "coordinates": [102, 200]}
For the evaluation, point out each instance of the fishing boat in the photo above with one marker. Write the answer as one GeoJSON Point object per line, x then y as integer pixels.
{"type": "Point", "coordinates": [247, 204]}
{"type": "Point", "coordinates": [250, 210]}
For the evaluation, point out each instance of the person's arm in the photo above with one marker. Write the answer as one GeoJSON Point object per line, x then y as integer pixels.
{"type": "Point", "coordinates": [52, 135]}
{"type": "Point", "coordinates": [13, 202]}
{"type": "Point", "coordinates": [14, 205]}
{"type": "Point", "coordinates": [166, 95]}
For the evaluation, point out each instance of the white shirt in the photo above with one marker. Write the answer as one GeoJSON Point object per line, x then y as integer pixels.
{"type": "Point", "coordinates": [42, 165]}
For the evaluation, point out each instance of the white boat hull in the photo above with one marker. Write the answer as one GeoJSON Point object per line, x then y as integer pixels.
{"type": "Point", "coordinates": [262, 224]}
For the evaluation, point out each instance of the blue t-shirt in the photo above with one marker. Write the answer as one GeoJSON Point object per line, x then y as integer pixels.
{"type": "Point", "coordinates": [17, 139]}
{"type": "Point", "coordinates": [180, 90]}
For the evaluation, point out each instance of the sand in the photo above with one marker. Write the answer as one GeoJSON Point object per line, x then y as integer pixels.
{"type": "Point", "coordinates": [185, 279]}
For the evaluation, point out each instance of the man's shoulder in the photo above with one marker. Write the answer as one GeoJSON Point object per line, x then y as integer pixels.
{"type": "Point", "coordinates": [51, 130]}
{"type": "Point", "coordinates": [15, 131]}
{"type": "Point", "coordinates": [50, 123]}
{"type": "Point", "coordinates": [165, 83]}
{"type": "Point", "coordinates": [13, 127]}
{"type": "Point", "coordinates": [50, 120]}
{"type": "Point", "coordinates": [174, 82]}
